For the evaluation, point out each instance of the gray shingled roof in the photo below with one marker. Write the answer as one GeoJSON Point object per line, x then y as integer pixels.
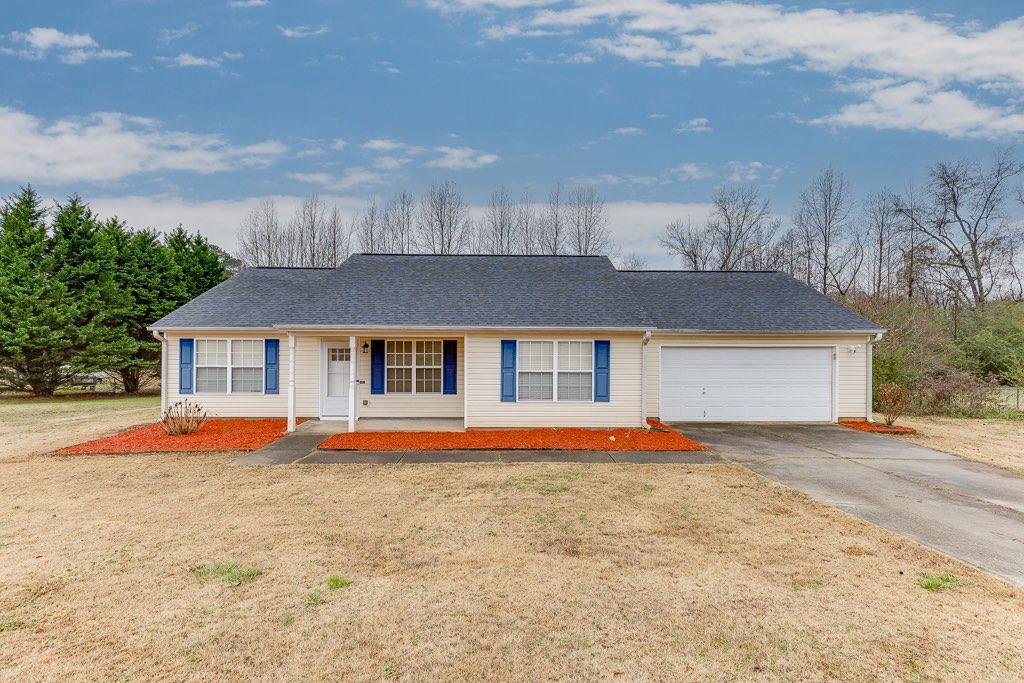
{"type": "Point", "coordinates": [423, 290]}
{"type": "Point", "coordinates": [739, 302]}
{"type": "Point", "coordinates": [510, 291]}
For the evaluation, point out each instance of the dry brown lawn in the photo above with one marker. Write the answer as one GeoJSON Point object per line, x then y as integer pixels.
{"type": "Point", "coordinates": [29, 426]}
{"type": "Point", "coordinates": [997, 442]}
{"type": "Point", "coordinates": [494, 572]}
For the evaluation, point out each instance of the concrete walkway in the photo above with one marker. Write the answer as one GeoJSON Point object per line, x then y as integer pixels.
{"type": "Point", "coordinates": [970, 510]}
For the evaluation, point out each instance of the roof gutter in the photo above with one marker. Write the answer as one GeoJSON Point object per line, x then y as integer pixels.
{"type": "Point", "coordinates": [876, 332]}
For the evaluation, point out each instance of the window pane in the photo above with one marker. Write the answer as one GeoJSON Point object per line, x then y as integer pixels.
{"type": "Point", "coordinates": [575, 386]}
{"type": "Point", "coordinates": [211, 352]}
{"type": "Point", "coordinates": [535, 386]}
{"type": "Point", "coordinates": [247, 380]}
{"type": "Point", "coordinates": [536, 356]}
{"type": "Point", "coordinates": [247, 353]}
{"type": "Point", "coordinates": [428, 354]}
{"type": "Point", "coordinates": [399, 353]}
{"type": "Point", "coordinates": [211, 380]}
{"type": "Point", "coordinates": [576, 356]}
{"type": "Point", "coordinates": [428, 380]}
{"type": "Point", "coordinates": [399, 381]}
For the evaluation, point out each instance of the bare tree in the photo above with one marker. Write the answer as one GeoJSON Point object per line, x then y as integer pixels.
{"type": "Point", "coordinates": [308, 228]}
{"type": "Point", "coordinates": [259, 236]}
{"type": "Point", "coordinates": [370, 229]}
{"type": "Point", "coordinates": [633, 261]}
{"type": "Point", "coordinates": [883, 226]}
{"type": "Point", "coordinates": [823, 218]}
{"type": "Point", "coordinates": [738, 234]}
{"type": "Point", "coordinates": [551, 235]}
{"type": "Point", "coordinates": [587, 220]}
{"type": "Point", "coordinates": [526, 226]}
{"type": "Point", "coordinates": [338, 246]}
{"type": "Point", "coordinates": [443, 224]}
{"type": "Point", "coordinates": [497, 228]}
{"type": "Point", "coordinates": [399, 223]}
{"type": "Point", "coordinates": [963, 216]}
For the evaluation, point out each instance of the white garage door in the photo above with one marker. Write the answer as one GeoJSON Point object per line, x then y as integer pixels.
{"type": "Point", "coordinates": [790, 384]}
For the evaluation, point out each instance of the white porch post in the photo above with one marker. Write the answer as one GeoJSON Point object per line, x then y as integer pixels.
{"type": "Point", "coordinates": [352, 358]}
{"type": "Point", "coordinates": [291, 382]}
{"type": "Point", "coordinates": [869, 405]}
{"type": "Point", "coordinates": [465, 382]}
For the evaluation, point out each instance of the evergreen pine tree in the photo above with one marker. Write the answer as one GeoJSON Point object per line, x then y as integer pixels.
{"type": "Point", "coordinates": [200, 266]}
{"type": "Point", "coordinates": [37, 317]}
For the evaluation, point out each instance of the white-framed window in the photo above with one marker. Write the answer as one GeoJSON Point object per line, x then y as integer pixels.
{"type": "Point", "coordinates": [246, 366]}
{"type": "Point", "coordinates": [555, 371]}
{"type": "Point", "coordinates": [212, 366]}
{"type": "Point", "coordinates": [428, 366]}
{"type": "Point", "coordinates": [575, 371]}
{"type": "Point", "coordinates": [229, 366]}
{"type": "Point", "coordinates": [413, 367]}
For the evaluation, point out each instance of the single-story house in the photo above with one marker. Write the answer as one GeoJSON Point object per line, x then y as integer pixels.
{"type": "Point", "coordinates": [516, 341]}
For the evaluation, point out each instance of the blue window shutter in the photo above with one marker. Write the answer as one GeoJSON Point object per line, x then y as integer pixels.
{"type": "Point", "coordinates": [602, 371]}
{"type": "Point", "coordinates": [508, 370]}
{"type": "Point", "coordinates": [449, 376]}
{"type": "Point", "coordinates": [186, 348]}
{"type": "Point", "coordinates": [376, 366]}
{"type": "Point", "coordinates": [272, 365]}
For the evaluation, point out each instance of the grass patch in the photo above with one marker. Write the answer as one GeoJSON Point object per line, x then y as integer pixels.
{"type": "Point", "coordinates": [336, 582]}
{"type": "Point", "coordinates": [545, 484]}
{"type": "Point", "coordinates": [233, 574]}
{"type": "Point", "coordinates": [316, 598]}
{"type": "Point", "coordinates": [288, 620]}
{"type": "Point", "coordinates": [12, 625]}
{"type": "Point", "coordinates": [937, 582]}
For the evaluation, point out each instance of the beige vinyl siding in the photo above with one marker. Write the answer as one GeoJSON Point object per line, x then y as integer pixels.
{"type": "Point", "coordinates": [406, 405]}
{"type": "Point", "coordinates": [307, 380]}
{"type": "Point", "coordinates": [851, 363]}
{"type": "Point", "coordinates": [485, 408]}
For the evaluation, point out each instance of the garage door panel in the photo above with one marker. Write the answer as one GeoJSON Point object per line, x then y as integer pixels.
{"type": "Point", "coordinates": [781, 384]}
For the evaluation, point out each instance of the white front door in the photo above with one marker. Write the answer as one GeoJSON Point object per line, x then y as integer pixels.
{"type": "Point", "coordinates": [722, 384]}
{"type": "Point", "coordinates": [334, 379]}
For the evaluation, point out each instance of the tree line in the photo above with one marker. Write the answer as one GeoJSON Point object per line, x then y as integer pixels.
{"type": "Point", "coordinates": [572, 220]}
{"type": "Point", "coordinates": [950, 241]}
{"type": "Point", "coordinates": [77, 292]}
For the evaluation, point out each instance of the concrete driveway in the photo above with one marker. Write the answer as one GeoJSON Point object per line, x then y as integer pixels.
{"type": "Point", "coordinates": [969, 510]}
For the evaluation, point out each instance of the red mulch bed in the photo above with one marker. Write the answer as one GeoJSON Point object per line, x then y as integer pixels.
{"type": "Point", "coordinates": [220, 434]}
{"type": "Point", "coordinates": [562, 439]}
{"type": "Point", "coordinates": [877, 427]}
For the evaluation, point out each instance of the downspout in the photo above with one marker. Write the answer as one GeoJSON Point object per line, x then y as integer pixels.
{"type": "Point", "coordinates": [643, 378]}
{"type": "Point", "coordinates": [870, 404]}
{"type": "Point", "coordinates": [160, 337]}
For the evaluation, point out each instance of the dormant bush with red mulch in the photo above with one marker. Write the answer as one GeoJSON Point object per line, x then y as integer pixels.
{"type": "Point", "coordinates": [566, 439]}
{"type": "Point", "coordinates": [223, 434]}
{"type": "Point", "coordinates": [877, 427]}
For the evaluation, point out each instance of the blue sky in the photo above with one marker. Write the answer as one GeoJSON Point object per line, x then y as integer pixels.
{"type": "Point", "coordinates": [168, 111]}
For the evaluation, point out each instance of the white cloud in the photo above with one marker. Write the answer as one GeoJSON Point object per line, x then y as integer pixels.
{"type": "Point", "coordinates": [628, 131]}
{"type": "Point", "coordinates": [186, 59]}
{"type": "Point", "coordinates": [350, 179]}
{"type": "Point", "coordinates": [384, 145]}
{"type": "Point", "coordinates": [752, 172]}
{"type": "Point", "coordinates": [605, 179]}
{"type": "Point", "coordinates": [244, 4]}
{"type": "Point", "coordinates": [169, 35]}
{"type": "Point", "coordinates": [917, 106]}
{"type": "Point", "coordinates": [935, 58]}
{"type": "Point", "coordinates": [302, 31]}
{"type": "Point", "coordinates": [389, 67]}
{"type": "Point", "coordinates": [690, 171]}
{"type": "Point", "coordinates": [339, 144]}
{"type": "Point", "coordinates": [232, 55]}
{"type": "Point", "coordinates": [637, 225]}
{"type": "Point", "coordinates": [71, 48]}
{"type": "Point", "coordinates": [390, 162]}
{"type": "Point", "coordinates": [461, 158]}
{"type": "Point", "coordinates": [694, 125]}
{"type": "Point", "coordinates": [108, 146]}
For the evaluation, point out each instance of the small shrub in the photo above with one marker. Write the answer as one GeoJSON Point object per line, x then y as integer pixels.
{"type": "Point", "coordinates": [315, 598]}
{"type": "Point", "coordinates": [892, 398]}
{"type": "Point", "coordinates": [335, 582]}
{"type": "Point", "coordinates": [937, 582]}
{"type": "Point", "coordinates": [233, 574]}
{"type": "Point", "coordinates": [184, 417]}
